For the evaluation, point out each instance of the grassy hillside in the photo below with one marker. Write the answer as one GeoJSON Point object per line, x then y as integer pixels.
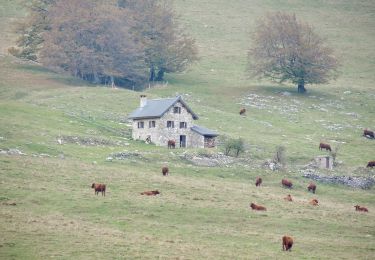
{"type": "Point", "coordinates": [202, 212]}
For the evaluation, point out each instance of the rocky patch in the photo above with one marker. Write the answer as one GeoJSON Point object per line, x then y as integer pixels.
{"type": "Point", "coordinates": [87, 141]}
{"type": "Point", "coordinates": [351, 181]}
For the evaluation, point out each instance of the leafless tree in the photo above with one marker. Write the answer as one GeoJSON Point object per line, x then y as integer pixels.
{"type": "Point", "coordinates": [286, 49]}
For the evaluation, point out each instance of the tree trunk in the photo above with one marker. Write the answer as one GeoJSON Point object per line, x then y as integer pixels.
{"type": "Point", "coordinates": [152, 73]}
{"type": "Point", "coordinates": [301, 86]}
{"type": "Point", "coordinates": [160, 75]}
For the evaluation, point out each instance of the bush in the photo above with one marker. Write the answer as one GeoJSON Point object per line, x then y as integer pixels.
{"type": "Point", "coordinates": [237, 145]}
{"type": "Point", "coordinates": [280, 156]}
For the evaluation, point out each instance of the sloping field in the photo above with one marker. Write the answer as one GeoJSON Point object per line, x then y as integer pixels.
{"type": "Point", "coordinates": [57, 132]}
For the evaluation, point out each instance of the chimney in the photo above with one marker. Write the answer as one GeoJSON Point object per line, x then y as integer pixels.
{"type": "Point", "coordinates": [143, 101]}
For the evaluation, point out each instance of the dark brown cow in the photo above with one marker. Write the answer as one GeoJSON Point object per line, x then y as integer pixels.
{"type": "Point", "coordinates": [368, 133]}
{"type": "Point", "coordinates": [286, 183]}
{"type": "Point", "coordinates": [359, 208]}
{"type": "Point", "coordinates": [311, 187]}
{"type": "Point", "coordinates": [287, 243]}
{"type": "Point", "coordinates": [288, 198]}
{"type": "Point", "coordinates": [371, 164]}
{"type": "Point", "coordinates": [257, 207]}
{"type": "Point", "coordinates": [165, 171]}
{"type": "Point", "coordinates": [314, 202]}
{"type": "Point", "coordinates": [242, 111]}
{"type": "Point", "coordinates": [150, 193]}
{"type": "Point", "coordinates": [325, 146]}
{"type": "Point", "coordinates": [98, 188]}
{"type": "Point", "coordinates": [258, 181]}
{"type": "Point", "coordinates": [171, 144]}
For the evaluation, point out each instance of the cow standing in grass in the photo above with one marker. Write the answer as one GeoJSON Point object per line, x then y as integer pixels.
{"type": "Point", "coordinates": [171, 144]}
{"type": "Point", "coordinates": [258, 181]}
{"type": "Point", "coordinates": [325, 146]}
{"type": "Point", "coordinates": [98, 187]}
{"type": "Point", "coordinates": [165, 171]}
{"type": "Point", "coordinates": [287, 243]}
{"type": "Point", "coordinates": [286, 183]}
{"type": "Point", "coordinates": [368, 134]}
{"type": "Point", "coordinates": [311, 187]}
{"type": "Point", "coordinates": [371, 164]}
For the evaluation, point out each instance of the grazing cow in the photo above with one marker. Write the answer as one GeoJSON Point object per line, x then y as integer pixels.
{"type": "Point", "coordinates": [359, 208]}
{"type": "Point", "coordinates": [150, 193]}
{"type": "Point", "coordinates": [98, 188]}
{"type": "Point", "coordinates": [287, 243]}
{"type": "Point", "coordinates": [314, 202]}
{"type": "Point", "coordinates": [258, 181]}
{"type": "Point", "coordinates": [371, 164]}
{"type": "Point", "coordinates": [257, 207]}
{"type": "Point", "coordinates": [311, 187]}
{"type": "Point", "coordinates": [288, 198]}
{"type": "Point", "coordinates": [325, 146]}
{"type": "Point", "coordinates": [368, 133]}
{"type": "Point", "coordinates": [242, 111]}
{"type": "Point", "coordinates": [165, 171]}
{"type": "Point", "coordinates": [171, 144]}
{"type": "Point", "coordinates": [286, 183]}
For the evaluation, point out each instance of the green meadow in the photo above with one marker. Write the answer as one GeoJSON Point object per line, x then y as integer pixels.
{"type": "Point", "coordinates": [48, 209]}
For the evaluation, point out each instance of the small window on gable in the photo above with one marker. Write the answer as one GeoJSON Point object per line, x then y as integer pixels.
{"type": "Point", "coordinates": [170, 124]}
{"type": "Point", "coordinates": [183, 125]}
{"type": "Point", "coordinates": [177, 110]}
{"type": "Point", "coordinates": [141, 124]}
{"type": "Point", "coordinates": [151, 124]}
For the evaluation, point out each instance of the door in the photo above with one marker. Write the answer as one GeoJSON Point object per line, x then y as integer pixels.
{"type": "Point", "coordinates": [182, 140]}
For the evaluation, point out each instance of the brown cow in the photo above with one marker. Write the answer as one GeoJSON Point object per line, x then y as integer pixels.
{"type": "Point", "coordinates": [311, 187]}
{"type": "Point", "coordinates": [165, 171]}
{"type": "Point", "coordinates": [150, 193]}
{"type": "Point", "coordinates": [242, 111]}
{"type": "Point", "coordinates": [359, 208]}
{"type": "Point", "coordinates": [257, 207]}
{"type": "Point", "coordinates": [171, 144]}
{"type": "Point", "coordinates": [286, 183]}
{"type": "Point", "coordinates": [287, 243]}
{"type": "Point", "coordinates": [288, 198]}
{"type": "Point", "coordinates": [314, 202]}
{"type": "Point", "coordinates": [98, 188]}
{"type": "Point", "coordinates": [258, 181]}
{"type": "Point", "coordinates": [368, 133]}
{"type": "Point", "coordinates": [325, 146]}
{"type": "Point", "coordinates": [371, 164]}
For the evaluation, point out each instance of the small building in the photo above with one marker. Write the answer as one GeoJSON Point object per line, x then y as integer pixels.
{"type": "Point", "coordinates": [324, 162]}
{"type": "Point", "coordinates": [161, 120]}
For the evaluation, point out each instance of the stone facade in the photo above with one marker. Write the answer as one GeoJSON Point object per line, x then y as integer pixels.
{"type": "Point", "coordinates": [162, 131]}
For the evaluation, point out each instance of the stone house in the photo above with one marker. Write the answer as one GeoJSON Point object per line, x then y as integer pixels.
{"type": "Point", "coordinates": [161, 120]}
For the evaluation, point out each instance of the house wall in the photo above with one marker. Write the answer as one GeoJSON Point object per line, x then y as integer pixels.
{"type": "Point", "coordinates": [161, 134]}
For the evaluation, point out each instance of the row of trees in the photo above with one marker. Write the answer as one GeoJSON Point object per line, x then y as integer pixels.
{"type": "Point", "coordinates": [127, 42]}
{"type": "Point", "coordinates": [132, 42]}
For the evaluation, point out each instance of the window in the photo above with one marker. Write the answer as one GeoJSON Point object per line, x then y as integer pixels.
{"type": "Point", "coordinates": [170, 124]}
{"type": "Point", "coordinates": [183, 125]}
{"type": "Point", "coordinates": [177, 110]}
{"type": "Point", "coordinates": [151, 124]}
{"type": "Point", "coordinates": [141, 124]}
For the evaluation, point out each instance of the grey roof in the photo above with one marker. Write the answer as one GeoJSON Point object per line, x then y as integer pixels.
{"type": "Point", "coordinates": [204, 131]}
{"type": "Point", "coordinates": [156, 108]}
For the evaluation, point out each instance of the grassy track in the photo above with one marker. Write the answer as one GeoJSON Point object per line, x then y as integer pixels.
{"type": "Point", "coordinates": [202, 213]}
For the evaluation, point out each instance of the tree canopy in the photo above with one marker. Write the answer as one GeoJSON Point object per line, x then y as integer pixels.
{"type": "Point", "coordinates": [127, 42]}
{"type": "Point", "coordinates": [285, 49]}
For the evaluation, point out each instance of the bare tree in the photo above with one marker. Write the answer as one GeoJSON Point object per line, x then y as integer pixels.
{"type": "Point", "coordinates": [286, 49]}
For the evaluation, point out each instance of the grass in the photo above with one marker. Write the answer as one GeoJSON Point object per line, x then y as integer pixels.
{"type": "Point", "coordinates": [202, 212]}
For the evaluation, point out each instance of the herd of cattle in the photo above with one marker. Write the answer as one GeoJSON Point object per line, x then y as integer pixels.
{"type": "Point", "coordinates": [287, 241]}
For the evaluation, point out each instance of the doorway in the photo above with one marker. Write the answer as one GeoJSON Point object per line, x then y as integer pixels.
{"type": "Point", "coordinates": [183, 141]}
